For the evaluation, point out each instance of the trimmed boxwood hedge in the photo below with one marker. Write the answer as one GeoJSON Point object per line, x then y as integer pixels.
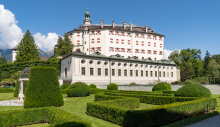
{"type": "Point", "coordinates": [193, 90]}
{"type": "Point", "coordinates": [6, 90]}
{"type": "Point", "coordinates": [43, 88]}
{"type": "Point", "coordinates": [92, 86]}
{"type": "Point", "coordinates": [96, 90]}
{"type": "Point", "coordinates": [78, 89]}
{"type": "Point", "coordinates": [124, 116]}
{"type": "Point", "coordinates": [52, 115]}
{"type": "Point", "coordinates": [161, 86]}
{"type": "Point", "coordinates": [65, 85]}
{"type": "Point", "coordinates": [112, 86]}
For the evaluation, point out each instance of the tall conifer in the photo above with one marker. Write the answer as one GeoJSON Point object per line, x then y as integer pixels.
{"type": "Point", "coordinates": [27, 49]}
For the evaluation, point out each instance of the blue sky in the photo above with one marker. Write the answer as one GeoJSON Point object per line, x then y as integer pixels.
{"type": "Point", "coordinates": [185, 23]}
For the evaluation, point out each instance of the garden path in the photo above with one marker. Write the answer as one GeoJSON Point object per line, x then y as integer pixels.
{"type": "Point", "coordinates": [210, 122]}
{"type": "Point", "coordinates": [10, 103]}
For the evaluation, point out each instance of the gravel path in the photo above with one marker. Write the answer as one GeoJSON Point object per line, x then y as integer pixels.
{"type": "Point", "coordinates": [210, 122]}
{"type": "Point", "coordinates": [10, 103]}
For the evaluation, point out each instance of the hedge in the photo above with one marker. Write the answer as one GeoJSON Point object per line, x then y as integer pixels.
{"type": "Point", "coordinates": [112, 86]}
{"type": "Point", "coordinates": [78, 89]}
{"type": "Point", "coordinates": [96, 90]}
{"type": "Point", "coordinates": [65, 85]}
{"type": "Point", "coordinates": [161, 114]}
{"type": "Point", "coordinates": [64, 91]}
{"type": "Point", "coordinates": [6, 90]}
{"type": "Point", "coordinates": [92, 86]}
{"type": "Point", "coordinates": [152, 99]}
{"type": "Point", "coordinates": [161, 86]}
{"type": "Point", "coordinates": [6, 70]}
{"type": "Point", "coordinates": [193, 90]}
{"type": "Point", "coordinates": [54, 116]}
{"type": "Point", "coordinates": [43, 88]}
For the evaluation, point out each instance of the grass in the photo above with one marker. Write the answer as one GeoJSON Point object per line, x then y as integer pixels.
{"type": "Point", "coordinates": [36, 125]}
{"type": "Point", "coordinates": [145, 106]}
{"type": "Point", "coordinates": [7, 96]}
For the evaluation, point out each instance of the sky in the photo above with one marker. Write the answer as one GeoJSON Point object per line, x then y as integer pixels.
{"type": "Point", "coordinates": [193, 24]}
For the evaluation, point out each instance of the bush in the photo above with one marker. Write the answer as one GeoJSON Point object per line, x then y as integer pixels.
{"type": "Point", "coordinates": [95, 90]}
{"type": "Point", "coordinates": [65, 86]}
{"type": "Point", "coordinates": [92, 86]}
{"type": "Point", "coordinates": [193, 90]}
{"type": "Point", "coordinates": [78, 89]}
{"type": "Point", "coordinates": [6, 90]}
{"type": "Point", "coordinates": [43, 88]}
{"type": "Point", "coordinates": [198, 80]}
{"type": "Point", "coordinates": [56, 117]}
{"type": "Point", "coordinates": [161, 86]}
{"type": "Point", "coordinates": [132, 83]}
{"type": "Point", "coordinates": [177, 83]}
{"type": "Point", "coordinates": [112, 86]}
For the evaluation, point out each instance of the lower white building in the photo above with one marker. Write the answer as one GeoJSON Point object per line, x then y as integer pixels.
{"type": "Point", "coordinates": [102, 70]}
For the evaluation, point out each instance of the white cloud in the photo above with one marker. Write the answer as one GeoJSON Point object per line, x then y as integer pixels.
{"type": "Point", "coordinates": [10, 33]}
{"type": "Point", "coordinates": [167, 53]}
{"type": "Point", "coordinates": [44, 41]}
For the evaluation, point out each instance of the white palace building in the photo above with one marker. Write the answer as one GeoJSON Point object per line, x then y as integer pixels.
{"type": "Point", "coordinates": [113, 53]}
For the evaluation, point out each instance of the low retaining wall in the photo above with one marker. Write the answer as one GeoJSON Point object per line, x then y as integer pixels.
{"type": "Point", "coordinates": [215, 89]}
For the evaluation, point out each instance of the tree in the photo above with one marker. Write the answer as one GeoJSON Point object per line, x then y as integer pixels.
{"type": "Point", "coordinates": [63, 46]}
{"type": "Point", "coordinates": [213, 68]}
{"type": "Point", "coordinates": [3, 60]}
{"type": "Point", "coordinates": [207, 59]}
{"type": "Point", "coordinates": [175, 56]}
{"type": "Point", "coordinates": [27, 49]}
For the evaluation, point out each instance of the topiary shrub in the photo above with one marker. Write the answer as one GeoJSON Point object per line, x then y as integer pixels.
{"type": "Point", "coordinates": [65, 86]}
{"type": "Point", "coordinates": [43, 88]}
{"type": "Point", "coordinates": [92, 86]}
{"type": "Point", "coordinates": [161, 86]}
{"type": "Point", "coordinates": [132, 83]}
{"type": "Point", "coordinates": [112, 86]}
{"type": "Point", "coordinates": [78, 89]}
{"type": "Point", "coordinates": [193, 90]}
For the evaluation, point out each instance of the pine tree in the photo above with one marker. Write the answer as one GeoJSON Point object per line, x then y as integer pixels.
{"type": "Point", "coordinates": [3, 60]}
{"type": "Point", "coordinates": [63, 46]}
{"type": "Point", "coordinates": [27, 49]}
{"type": "Point", "coordinates": [207, 59]}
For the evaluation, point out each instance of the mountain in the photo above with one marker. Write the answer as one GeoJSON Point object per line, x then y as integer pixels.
{"type": "Point", "coordinates": [49, 52]}
{"type": "Point", "coordinates": [8, 53]}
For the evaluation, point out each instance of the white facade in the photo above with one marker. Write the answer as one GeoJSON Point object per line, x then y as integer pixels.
{"type": "Point", "coordinates": [143, 72]}
{"type": "Point", "coordinates": [14, 55]}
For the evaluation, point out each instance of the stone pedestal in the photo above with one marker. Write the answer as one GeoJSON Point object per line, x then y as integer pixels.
{"type": "Point", "coordinates": [21, 92]}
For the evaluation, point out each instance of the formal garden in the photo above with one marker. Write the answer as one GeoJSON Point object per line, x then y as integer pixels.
{"type": "Point", "coordinates": [84, 105]}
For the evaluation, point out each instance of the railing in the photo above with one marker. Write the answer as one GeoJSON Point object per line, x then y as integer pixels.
{"type": "Point", "coordinates": [65, 78]}
{"type": "Point", "coordinates": [114, 25]}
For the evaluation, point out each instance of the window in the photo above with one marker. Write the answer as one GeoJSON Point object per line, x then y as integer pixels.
{"type": "Point", "coordinates": [85, 42]}
{"type": "Point", "coordinates": [113, 72]}
{"type": "Point", "coordinates": [122, 41]}
{"type": "Point", "coordinates": [148, 51]}
{"type": "Point", "coordinates": [106, 72]}
{"type": "Point", "coordinates": [136, 51]}
{"type": "Point", "coordinates": [99, 48]}
{"type": "Point", "coordinates": [142, 51]}
{"type": "Point", "coordinates": [136, 42]}
{"type": "Point", "coordinates": [146, 73]}
{"type": "Point", "coordinates": [78, 34]}
{"type": "Point", "coordinates": [111, 49]}
{"type": "Point", "coordinates": [111, 40]}
{"type": "Point", "coordinates": [78, 42]}
{"type": "Point", "coordinates": [160, 45]}
{"type": "Point", "coordinates": [155, 52]}
{"type": "Point", "coordinates": [129, 42]}
{"type": "Point", "coordinates": [122, 50]}
{"type": "Point", "coordinates": [117, 41]}
{"type": "Point", "coordinates": [154, 44]}
{"type": "Point", "coordinates": [171, 74]}
{"type": "Point", "coordinates": [163, 74]}
{"type": "Point", "coordinates": [99, 71]}
{"type": "Point", "coordinates": [125, 72]}
{"type": "Point", "coordinates": [91, 71]}
{"type": "Point", "coordinates": [136, 72]}
{"type": "Point", "coordinates": [155, 59]}
{"type": "Point", "coordinates": [65, 72]}
{"type": "Point", "coordinates": [119, 72]}
{"type": "Point", "coordinates": [142, 43]}
{"type": "Point", "coordinates": [83, 71]}
{"type": "Point", "coordinates": [142, 73]}
{"type": "Point", "coordinates": [155, 73]}
{"type": "Point", "coordinates": [129, 50]}
{"type": "Point", "coordinates": [151, 73]}
{"type": "Point", "coordinates": [148, 43]}
{"type": "Point", "coordinates": [93, 40]}
{"type": "Point", "coordinates": [98, 40]}
{"type": "Point", "coordinates": [161, 52]}
{"type": "Point", "coordinates": [159, 73]}
{"type": "Point", "coordinates": [131, 72]}
{"type": "Point", "coordinates": [167, 74]}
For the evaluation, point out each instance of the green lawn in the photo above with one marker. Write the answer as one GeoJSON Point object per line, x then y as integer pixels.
{"type": "Point", "coordinates": [36, 125]}
{"type": "Point", "coordinates": [8, 96]}
{"type": "Point", "coordinates": [145, 106]}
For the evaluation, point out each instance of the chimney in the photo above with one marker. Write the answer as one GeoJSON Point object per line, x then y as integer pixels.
{"type": "Point", "coordinates": [124, 24]}
{"type": "Point", "coordinates": [131, 26]}
{"type": "Point", "coordinates": [146, 28]}
{"type": "Point", "coordinates": [102, 23]}
{"type": "Point", "coordinates": [113, 24]}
